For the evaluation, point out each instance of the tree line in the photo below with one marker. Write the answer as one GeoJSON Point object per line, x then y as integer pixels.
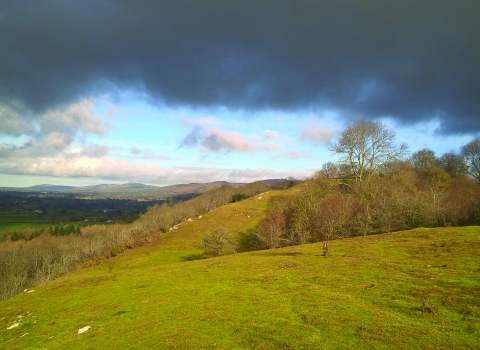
{"type": "Point", "coordinates": [376, 188]}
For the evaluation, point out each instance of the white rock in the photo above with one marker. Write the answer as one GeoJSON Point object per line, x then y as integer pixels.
{"type": "Point", "coordinates": [14, 325]}
{"type": "Point", "coordinates": [200, 217]}
{"type": "Point", "coordinates": [30, 291]}
{"type": "Point", "coordinates": [83, 330]}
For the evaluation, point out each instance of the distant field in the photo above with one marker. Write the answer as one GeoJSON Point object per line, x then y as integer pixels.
{"type": "Point", "coordinates": [12, 227]}
{"type": "Point", "coordinates": [10, 220]}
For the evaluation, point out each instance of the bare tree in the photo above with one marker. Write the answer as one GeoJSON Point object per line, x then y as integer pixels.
{"type": "Point", "coordinates": [453, 164]}
{"type": "Point", "coordinates": [329, 170]}
{"type": "Point", "coordinates": [366, 146]}
{"type": "Point", "coordinates": [471, 155]}
{"type": "Point", "coordinates": [333, 217]}
{"type": "Point", "coordinates": [272, 231]}
{"type": "Point", "coordinates": [438, 181]}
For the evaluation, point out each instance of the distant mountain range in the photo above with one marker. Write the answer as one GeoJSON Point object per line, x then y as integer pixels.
{"type": "Point", "coordinates": [132, 188]}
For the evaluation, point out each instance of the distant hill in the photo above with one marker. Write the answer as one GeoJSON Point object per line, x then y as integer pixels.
{"type": "Point", "coordinates": [112, 188]}
{"type": "Point", "coordinates": [133, 189]}
{"type": "Point", "coordinates": [45, 187]}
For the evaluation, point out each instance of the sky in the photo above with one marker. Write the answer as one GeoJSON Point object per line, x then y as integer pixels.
{"type": "Point", "coordinates": [181, 91]}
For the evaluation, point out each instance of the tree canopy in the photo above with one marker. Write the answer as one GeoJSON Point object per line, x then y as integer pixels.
{"type": "Point", "coordinates": [366, 146]}
{"type": "Point", "coordinates": [471, 156]}
{"type": "Point", "coordinates": [424, 159]}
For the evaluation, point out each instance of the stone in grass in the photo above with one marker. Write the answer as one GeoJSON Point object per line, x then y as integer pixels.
{"type": "Point", "coordinates": [83, 330]}
{"type": "Point", "coordinates": [14, 325]}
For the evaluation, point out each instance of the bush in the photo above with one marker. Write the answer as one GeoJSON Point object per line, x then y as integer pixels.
{"type": "Point", "coordinates": [238, 197]}
{"type": "Point", "coordinates": [219, 241]}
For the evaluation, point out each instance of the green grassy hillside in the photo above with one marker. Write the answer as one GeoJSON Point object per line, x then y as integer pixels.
{"type": "Point", "coordinates": [418, 289]}
{"type": "Point", "coordinates": [183, 243]}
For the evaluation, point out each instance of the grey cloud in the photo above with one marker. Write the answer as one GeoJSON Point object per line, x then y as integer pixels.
{"type": "Point", "coordinates": [193, 138]}
{"type": "Point", "coordinates": [95, 151]}
{"type": "Point", "coordinates": [75, 117]}
{"type": "Point", "coordinates": [58, 140]}
{"type": "Point", "coordinates": [50, 133]}
{"type": "Point", "coordinates": [410, 59]}
{"type": "Point", "coordinates": [12, 123]}
{"type": "Point", "coordinates": [135, 151]}
{"type": "Point", "coordinates": [6, 150]}
{"type": "Point", "coordinates": [54, 144]}
{"type": "Point", "coordinates": [79, 117]}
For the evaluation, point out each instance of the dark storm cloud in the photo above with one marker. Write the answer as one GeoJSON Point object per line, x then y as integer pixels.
{"type": "Point", "coordinates": [409, 59]}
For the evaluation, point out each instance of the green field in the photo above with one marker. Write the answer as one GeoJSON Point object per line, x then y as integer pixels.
{"type": "Point", "coordinates": [10, 221]}
{"type": "Point", "coordinates": [417, 289]}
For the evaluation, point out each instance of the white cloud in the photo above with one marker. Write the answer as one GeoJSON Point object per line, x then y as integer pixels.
{"type": "Point", "coordinates": [317, 135]}
{"type": "Point", "coordinates": [114, 169]}
{"type": "Point", "coordinates": [218, 140]}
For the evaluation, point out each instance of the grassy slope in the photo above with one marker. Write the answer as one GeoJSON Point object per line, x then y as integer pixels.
{"type": "Point", "coordinates": [367, 294]}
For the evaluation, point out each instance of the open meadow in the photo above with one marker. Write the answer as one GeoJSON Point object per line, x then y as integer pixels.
{"type": "Point", "coordinates": [417, 289]}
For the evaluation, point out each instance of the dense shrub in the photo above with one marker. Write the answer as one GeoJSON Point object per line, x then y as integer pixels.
{"type": "Point", "coordinates": [400, 198]}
